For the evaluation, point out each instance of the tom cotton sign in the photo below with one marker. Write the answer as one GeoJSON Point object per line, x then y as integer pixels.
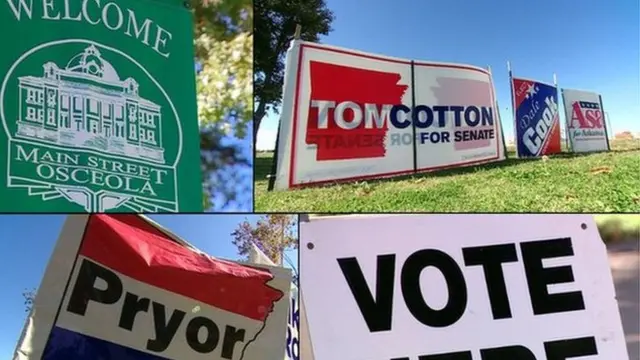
{"type": "Point", "coordinates": [527, 287]}
{"type": "Point", "coordinates": [92, 119]}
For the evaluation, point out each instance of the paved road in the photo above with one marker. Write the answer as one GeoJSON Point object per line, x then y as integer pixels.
{"type": "Point", "coordinates": [625, 266]}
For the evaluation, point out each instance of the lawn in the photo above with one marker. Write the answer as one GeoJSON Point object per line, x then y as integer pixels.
{"type": "Point", "coordinates": [619, 227]}
{"type": "Point", "coordinates": [595, 183]}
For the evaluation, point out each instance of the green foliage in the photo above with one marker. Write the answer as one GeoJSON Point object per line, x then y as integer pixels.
{"type": "Point", "coordinates": [275, 24]}
{"type": "Point", "coordinates": [619, 227]}
{"type": "Point", "coordinates": [224, 49]}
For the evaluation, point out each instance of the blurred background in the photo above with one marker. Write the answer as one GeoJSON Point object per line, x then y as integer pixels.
{"type": "Point", "coordinates": [224, 68]}
{"type": "Point", "coordinates": [621, 233]}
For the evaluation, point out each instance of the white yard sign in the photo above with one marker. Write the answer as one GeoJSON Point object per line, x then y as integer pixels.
{"type": "Point", "coordinates": [585, 121]}
{"type": "Point", "coordinates": [459, 287]}
{"type": "Point", "coordinates": [293, 339]}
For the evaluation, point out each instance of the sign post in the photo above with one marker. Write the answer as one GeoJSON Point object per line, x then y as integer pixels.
{"type": "Point", "coordinates": [98, 107]}
{"type": "Point", "coordinates": [464, 287]}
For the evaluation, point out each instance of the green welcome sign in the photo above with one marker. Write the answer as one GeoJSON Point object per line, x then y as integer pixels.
{"type": "Point", "coordinates": [98, 107]}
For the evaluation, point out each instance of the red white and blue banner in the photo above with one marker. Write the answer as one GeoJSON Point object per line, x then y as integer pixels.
{"type": "Point", "coordinates": [536, 116]}
{"type": "Point", "coordinates": [119, 287]}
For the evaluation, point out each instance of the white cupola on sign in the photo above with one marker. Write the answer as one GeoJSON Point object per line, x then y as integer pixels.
{"type": "Point", "coordinates": [90, 62]}
{"type": "Point", "coordinates": [130, 86]}
{"type": "Point", "coordinates": [51, 71]}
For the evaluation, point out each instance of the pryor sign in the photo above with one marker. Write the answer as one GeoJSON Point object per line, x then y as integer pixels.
{"type": "Point", "coordinates": [135, 293]}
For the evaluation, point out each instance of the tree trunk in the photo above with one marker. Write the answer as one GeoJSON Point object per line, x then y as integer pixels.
{"type": "Point", "coordinates": [259, 113]}
{"type": "Point", "coordinates": [257, 118]}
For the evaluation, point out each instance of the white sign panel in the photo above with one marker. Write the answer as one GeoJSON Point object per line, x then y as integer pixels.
{"type": "Point", "coordinates": [134, 292]}
{"type": "Point", "coordinates": [459, 287]}
{"type": "Point", "coordinates": [585, 121]}
{"type": "Point", "coordinates": [349, 115]}
{"type": "Point", "coordinates": [293, 339]}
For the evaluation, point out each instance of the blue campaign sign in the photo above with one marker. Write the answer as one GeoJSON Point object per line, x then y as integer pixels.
{"type": "Point", "coordinates": [293, 341]}
{"type": "Point", "coordinates": [537, 125]}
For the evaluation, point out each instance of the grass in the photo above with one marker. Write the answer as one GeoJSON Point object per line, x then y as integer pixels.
{"type": "Point", "coordinates": [595, 183]}
{"type": "Point", "coordinates": [617, 227]}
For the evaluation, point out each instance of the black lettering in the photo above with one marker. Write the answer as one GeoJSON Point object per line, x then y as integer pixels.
{"type": "Point", "coordinates": [461, 355]}
{"type": "Point", "coordinates": [487, 116]}
{"type": "Point", "coordinates": [85, 290]}
{"type": "Point", "coordinates": [165, 331]}
{"type": "Point", "coordinates": [507, 352]}
{"type": "Point", "coordinates": [465, 135]}
{"type": "Point", "coordinates": [456, 113]}
{"type": "Point", "coordinates": [570, 348]}
{"type": "Point", "coordinates": [131, 307]}
{"type": "Point", "coordinates": [213, 335]}
{"type": "Point", "coordinates": [295, 315]}
{"type": "Point", "coordinates": [445, 136]}
{"type": "Point", "coordinates": [491, 258]}
{"type": "Point", "coordinates": [467, 116]}
{"type": "Point", "coordinates": [375, 311]}
{"type": "Point", "coordinates": [441, 111]}
{"type": "Point", "coordinates": [538, 277]}
{"type": "Point", "coordinates": [413, 297]}
{"type": "Point", "coordinates": [428, 121]}
{"type": "Point", "coordinates": [231, 337]}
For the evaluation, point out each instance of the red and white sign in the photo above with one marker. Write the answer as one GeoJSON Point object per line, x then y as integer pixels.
{"type": "Point", "coordinates": [585, 121]}
{"type": "Point", "coordinates": [135, 292]}
{"type": "Point", "coordinates": [349, 115]}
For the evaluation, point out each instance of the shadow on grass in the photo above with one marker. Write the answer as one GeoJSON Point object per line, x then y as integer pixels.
{"type": "Point", "coordinates": [263, 167]}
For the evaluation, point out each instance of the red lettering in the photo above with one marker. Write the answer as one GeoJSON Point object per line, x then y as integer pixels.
{"type": "Point", "coordinates": [360, 86]}
{"type": "Point", "coordinates": [577, 115]}
{"type": "Point", "coordinates": [594, 117]}
{"type": "Point", "coordinates": [591, 119]}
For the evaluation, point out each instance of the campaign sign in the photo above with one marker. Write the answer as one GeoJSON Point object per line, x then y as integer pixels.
{"type": "Point", "coordinates": [585, 121]}
{"type": "Point", "coordinates": [388, 117]}
{"type": "Point", "coordinates": [134, 293]}
{"type": "Point", "coordinates": [91, 118]}
{"type": "Point", "coordinates": [256, 255]}
{"type": "Point", "coordinates": [537, 120]}
{"type": "Point", "coordinates": [459, 287]}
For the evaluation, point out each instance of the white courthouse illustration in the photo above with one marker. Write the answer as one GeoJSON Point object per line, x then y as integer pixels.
{"type": "Point", "coordinates": [86, 105]}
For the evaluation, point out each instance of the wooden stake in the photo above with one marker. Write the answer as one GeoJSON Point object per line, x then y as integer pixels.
{"type": "Point", "coordinates": [296, 35]}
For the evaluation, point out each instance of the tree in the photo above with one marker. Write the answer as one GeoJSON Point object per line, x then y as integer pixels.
{"type": "Point", "coordinates": [29, 296]}
{"type": "Point", "coordinates": [275, 24]}
{"type": "Point", "coordinates": [272, 233]}
{"type": "Point", "coordinates": [224, 51]}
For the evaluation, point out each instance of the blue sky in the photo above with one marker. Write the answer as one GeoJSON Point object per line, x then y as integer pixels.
{"type": "Point", "coordinates": [28, 241]}
{"type": "Point", "coordinates": [590, 45]}
{"type": "Point", "coordinates": [244, 176]}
